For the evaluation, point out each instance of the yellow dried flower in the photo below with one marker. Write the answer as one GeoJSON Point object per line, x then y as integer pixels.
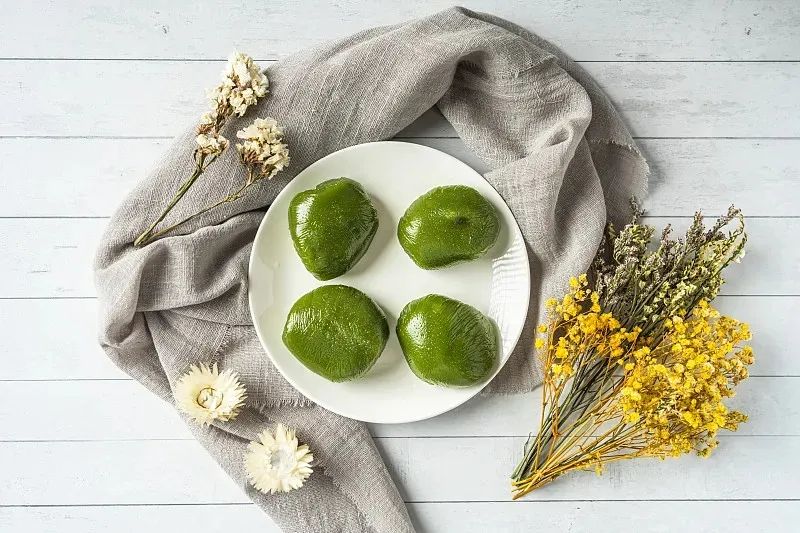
{"type": "Point", "coordinates": [683, 383]}
{"type": "Point", "coordinates": [659, 398]}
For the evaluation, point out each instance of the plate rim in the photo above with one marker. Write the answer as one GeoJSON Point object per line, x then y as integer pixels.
{"type": "Point", "coordinates": [516, 231]}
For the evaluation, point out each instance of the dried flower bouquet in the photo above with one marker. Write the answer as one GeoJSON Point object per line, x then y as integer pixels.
{"type": "Point", "coordinates": [636, 361]}
{"type": "Point", "coordinates": [262, 149]}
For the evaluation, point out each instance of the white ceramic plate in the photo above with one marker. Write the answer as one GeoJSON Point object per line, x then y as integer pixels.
{"type": "Point", "coordinates": [394, 174]}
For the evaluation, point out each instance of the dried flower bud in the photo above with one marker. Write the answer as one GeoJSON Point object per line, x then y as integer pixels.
{"type": "Point", "coordinates": [263, 147]}
{"type": "Point", "coordinates": [211, 143]}
{"type": "Point", "coordinates": [242, 85]}
{"type": "Point", "coordinates": [208, 123]}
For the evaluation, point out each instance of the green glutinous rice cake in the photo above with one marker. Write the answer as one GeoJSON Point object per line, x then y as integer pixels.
{"type": "Point", "coordinates": [447, 342]}
{"type": "Point", "coordinates": [336, 331]}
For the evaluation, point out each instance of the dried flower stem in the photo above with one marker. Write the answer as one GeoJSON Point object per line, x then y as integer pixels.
{"type": "Point", "coordinates": [150, 234]}
{"type": "Point", "coordinates": [230, 198]}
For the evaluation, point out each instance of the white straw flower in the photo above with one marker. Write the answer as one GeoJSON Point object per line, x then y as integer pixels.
{"type": "Point", "coordinates": [206, 394]}
{"type": "Point", "coordinates": [277, 463]}
{"type": "Point", "coordinates": [242, 84]}
{"type": "Point", "coordinates": [263, 146]}
{"type": "Point", "coordinates": [211, 143]}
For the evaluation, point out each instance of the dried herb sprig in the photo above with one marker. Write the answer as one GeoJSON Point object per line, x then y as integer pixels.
{"type": "Point", "coordinates": [241, 87]}
{"type": "Point", "coordinates": [636, 363]}
{"type": "Point", "coordinates": [644, 287]}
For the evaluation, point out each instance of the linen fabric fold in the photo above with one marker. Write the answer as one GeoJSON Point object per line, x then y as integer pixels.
{"type": "Point", "coordinates": [559, 155]}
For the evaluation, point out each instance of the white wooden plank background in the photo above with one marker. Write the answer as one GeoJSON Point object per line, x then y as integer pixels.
{"type": "Point", "coordinates": [92, 93]}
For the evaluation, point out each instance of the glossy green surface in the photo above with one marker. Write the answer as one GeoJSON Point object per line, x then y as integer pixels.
{"type": "Point", "coordinates": [336, 331]}
{"type": "Point", "coordinates": [332, 225]}
{"type": "Point", "coordinates": [448, 225]}
{"type": "Point", "coordinates": [447, 342]}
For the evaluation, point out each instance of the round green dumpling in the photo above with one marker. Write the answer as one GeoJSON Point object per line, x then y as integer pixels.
{"type": "Point", "coordinates": [336, 331]}
{"type": "Point", "coordinates": [332, 225]}
{"type": "Point", "coordinates": [448, 225]}
{"type": "Point", "coordinates": [447, 342]}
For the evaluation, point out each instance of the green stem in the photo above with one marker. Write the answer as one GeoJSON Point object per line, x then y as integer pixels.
{"type": "Point", "coordinates": [573, 403]}
{"type": "Point", "coordinates": [148, 235]}
{"type": "Point", "coordinates": [230, 198]}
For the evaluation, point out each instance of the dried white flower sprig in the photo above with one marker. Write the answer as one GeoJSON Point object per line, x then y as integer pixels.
{"type": "Point", "coordinates": [264, 154]}
{"type": "Point", "coordinates": [211, 143]}
{"type": "Point", "coordinates": [206, 394]}
{"type": "Point", "coordinates": [263, 150]}
{"type": "Point", "coordinates": [277, 463]}
{"type": "Point", "coordinates": [241, 87]}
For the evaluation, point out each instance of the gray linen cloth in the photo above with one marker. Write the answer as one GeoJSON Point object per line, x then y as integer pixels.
{"type": "Point", "coordinates": [560, 157]}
